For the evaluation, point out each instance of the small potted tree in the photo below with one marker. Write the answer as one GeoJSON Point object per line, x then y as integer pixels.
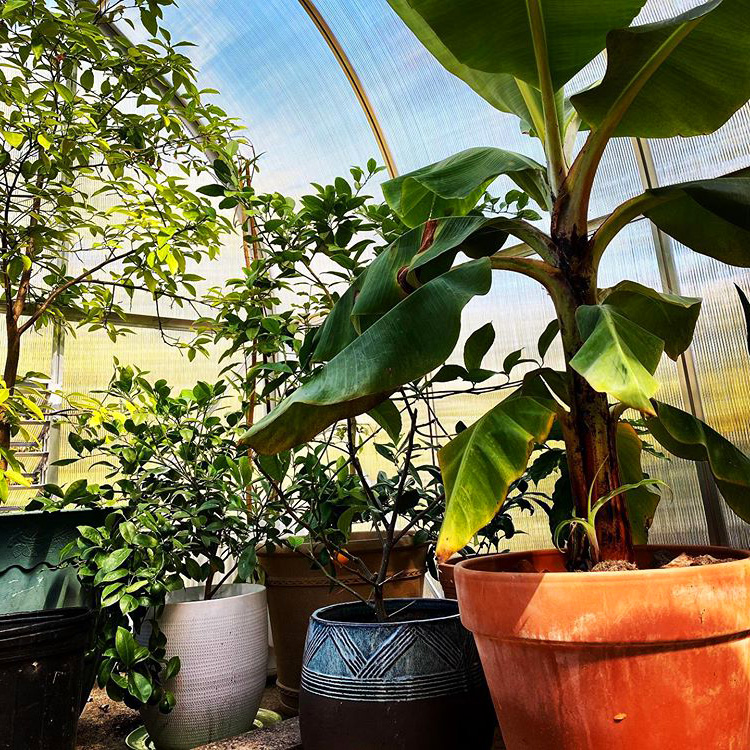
{"type": "Point", "coordinates": [608, 645]}
{"type": "Point", "coordinates": [192, 657]}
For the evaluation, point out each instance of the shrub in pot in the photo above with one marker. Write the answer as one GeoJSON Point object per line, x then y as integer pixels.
{"type": "Point", "coordinates": [192, 658]}
{"type": "Point", "coordinates": [616, 639]}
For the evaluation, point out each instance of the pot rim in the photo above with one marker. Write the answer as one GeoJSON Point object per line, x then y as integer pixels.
{"type": "Point", "coordinates": [318, 615]}
{"type": "Point", "coordinates": [466, 567]}
{"type": "Point", "coordinates": [249, 590]}
{"type": "Point", "coordinates": [357, 542]}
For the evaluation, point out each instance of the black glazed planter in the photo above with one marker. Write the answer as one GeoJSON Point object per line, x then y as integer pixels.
{"type": "Point", "coordinates": [414, 682]}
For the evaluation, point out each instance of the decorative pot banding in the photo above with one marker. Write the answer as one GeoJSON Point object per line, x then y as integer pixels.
{"type": "Point", "coordinates": [297, 588]}
{"type": "Point", "coordinates": [223, 648]}
{"type": "Point", "coordinates": [414, 682]}
{"type": "Point", "coordinates": [654, 659]}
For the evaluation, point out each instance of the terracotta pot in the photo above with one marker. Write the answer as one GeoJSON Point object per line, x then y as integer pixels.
{"type": "Point", "coordinates": [414, 682]}
{"type": "Point", "coordinates": [296, 590]}
{"type": "Point", "coordinates": [648, 659]}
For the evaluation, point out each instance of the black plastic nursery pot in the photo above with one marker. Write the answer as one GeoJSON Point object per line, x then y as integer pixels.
{"type": "Point", "coordinates": [42, 677]}
{"type": "Point", "coordinates": [412, 682]}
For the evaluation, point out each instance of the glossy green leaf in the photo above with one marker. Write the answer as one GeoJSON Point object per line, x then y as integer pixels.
{"type": "Point", "coordinates": [683, 76]}
{"type": "Point", "coordinates": [618, 357]}
{"type": "Point", "coordinates": [125, 645]}
{"type": "Point", "coordinates": [670, 317]}
{"type": "Point", "coordinates": [496, 37]}
{"type": "Point", "coordinates": [453, 187]}
{"type": "Point", "coordinates": [688, 437]}
{"type": "Point", "coordinates": [388, 417]}
{"type": "Point", "coordinates": [641, 502]}
{"type": "Point", "coordinates": [479, 465]}
{"type": "Point", "coordinates": [139, 686]}
{"type": "Point", "coordinates": [380, 289]}
{"type": "Point", "coordinates": [711, 217]}
{"type": "Point", "coordinates": [398, 348]}
{"type": "Point", "coordinates": [337, 332]}
{"type": "Point", "coordinates": [477, 346]}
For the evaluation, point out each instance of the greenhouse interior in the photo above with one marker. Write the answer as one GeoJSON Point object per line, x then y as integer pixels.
{"type": "Point", "coordinates": [375, 374]}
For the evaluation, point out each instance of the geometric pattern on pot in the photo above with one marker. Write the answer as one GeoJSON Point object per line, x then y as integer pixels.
{"type": "Point", "coordinates": [391, 661]}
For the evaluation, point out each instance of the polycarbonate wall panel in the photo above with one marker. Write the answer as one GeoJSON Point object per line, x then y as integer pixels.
{"type": "Point", "coordinates": [276, 73]}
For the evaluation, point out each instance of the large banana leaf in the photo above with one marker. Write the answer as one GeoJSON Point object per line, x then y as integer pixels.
{"type": "Point", "coordinates": [497, 37]}
{"type": "Point", "coordinates": [683, 76]}
{"type": "Point", "coordinates": [618, 357]}
{"type": "Point", "coordinates": [670, 317]}
{"type": "Point", "coordinates": [688, 437]}
{"type": "Point", "coordinates": [453, 186]}
{"type": "Point", "coordinates": [337, 332]}
{"type": "Point", "coordinates": [479, 465]}
{"type": "Point", "coordinates": [398, 348]}
{"type": "Point", "coordinates": [641, 501]}
{"type": "Point", "coordinates": [381, 290]}
{"type": "Point", "coordinates": [710, 216]}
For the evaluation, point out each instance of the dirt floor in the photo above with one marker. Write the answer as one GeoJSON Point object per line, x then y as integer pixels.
{"type": "Point", "coordinates": [105, 724]}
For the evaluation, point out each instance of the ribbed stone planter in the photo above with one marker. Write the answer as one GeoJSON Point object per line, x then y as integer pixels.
{"type": "Point", "coordinates": [415, 682]}
{"type": "Point", "coordinates": [223, 648]}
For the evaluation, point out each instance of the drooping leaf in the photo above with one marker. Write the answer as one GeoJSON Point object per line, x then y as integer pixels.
{"type": "Point", "coordinates": [453, 186]}
{"type": "Point", "coordinates": [477, 346]}
{"type": "Point", "coordinates": [745, 313]}
{"type": "Point", "coordinates": [337, 332]}
{"type": "Point", "coordinates": [670, 317]}
{"type": "Point", "coordinates": [496, 37]}
{"type": "Point", "coordinates": [388, 417]}
{"type": "Point", "coordinates": [640, 501]}
{"type": "Point", "coordinates": [618, 357]}
{"type": "Point", "coordinates": [549, 334]}
{"type": "Point", "coordinates": [380, 289]}
{"type": "Point", "coordinates": [683, 76]}
{"type": "Point", "coordinates": [398, 348]}
{"type": "Point", "coordinates": [688, 437]}
{"type": "Point", "coordinates": [479, 465]}
{"type": "Point", "coordinates": [711, 217]}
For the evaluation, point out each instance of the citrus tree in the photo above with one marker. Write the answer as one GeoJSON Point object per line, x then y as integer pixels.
{"type": "Point", "coordinates": [683, 76]}
{"type": "Point", "coordinates": [102, 145]}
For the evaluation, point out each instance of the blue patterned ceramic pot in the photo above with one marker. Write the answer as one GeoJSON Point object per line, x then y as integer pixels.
{"type": "Point", "coordinates": [412, 682]}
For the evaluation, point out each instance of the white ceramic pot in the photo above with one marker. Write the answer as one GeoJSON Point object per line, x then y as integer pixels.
{"type": "Point", "coordinates": [223, 648]}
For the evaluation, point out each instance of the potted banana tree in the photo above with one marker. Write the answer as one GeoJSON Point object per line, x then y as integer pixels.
{"type": "Point", "coordinates": [640, 655]}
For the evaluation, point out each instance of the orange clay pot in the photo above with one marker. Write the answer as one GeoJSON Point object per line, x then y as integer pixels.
{"type": "Point", "coordinates": [634, 660]}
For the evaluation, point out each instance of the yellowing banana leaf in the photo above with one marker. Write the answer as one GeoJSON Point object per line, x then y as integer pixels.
{"type": "Point", "coordinates": [479, 465]}
{"type": "Point", "coordinates": [398, 348]}
{"type": "Point", "coordinates": [618, 357]}
{"type": "Point", "coordinates": [670, 317]}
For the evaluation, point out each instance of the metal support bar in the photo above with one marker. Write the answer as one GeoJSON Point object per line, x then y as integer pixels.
{"type": "Point", "coordinates": [718, 532]}
{"type": "Point", "coordinates": [354, 81]}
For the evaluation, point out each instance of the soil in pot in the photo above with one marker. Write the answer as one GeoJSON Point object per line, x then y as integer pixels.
{"type": "Point", "coordinates": [414, 682]}
{"type": "Point", "coordinates": [296, 589]}
{"type": "Point", "coordinates": [654, 658]}
{"type": "Point", "coordinates": [223, 648]}
{"type": "Point", "coordinates": [42, 661]}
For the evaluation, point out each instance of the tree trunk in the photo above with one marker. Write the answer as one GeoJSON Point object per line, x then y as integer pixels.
{"type": "Point", "coordinates": [590, 434]}
{"type": "Point", "coordinates": [10, 375]}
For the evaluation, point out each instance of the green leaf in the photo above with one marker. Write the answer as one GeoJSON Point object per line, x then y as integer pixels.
{"type": "Point", "coordinates": [683, 76]}
{"type": "Point", "coordinates": [618, 357]}
{"type": "Point", "coordinates": [388, 417]}
{"type": "Point", "coordinates": [477, 346]}
{"type": "Point", "coordinates": [173, 668]}
{"type": "Point", "coordinates": [380, 289]}
{"type": "Point", "coordinates": [453, 187]}
{"type": "Point", "coordinates": [479, 465]}
{"type": "Point", "coordinates": [549, 334]}
{"type": "Point", "coordinates": [398, 348]}
{"type": "Point", "coordinates": [688, 437]}
{"type": "Point", "coordinates": [711, 217]}
{"type": "Point", "coordinates": [115, 559]}
{"type": "Point", "coordinates": [337, 331]}
{"type": "Point", "coordinates": [668, 316]}
{"type": "Point", "coordinates": [496, 37]}
{"type": "Point", "coordinates": [125, 645]}
{"type": "Point", "coordinates": [140, 687]}
{"type": "Point", "coordinates": [10, 5]}
{"type": "Point", "coordinates": [640, 501]}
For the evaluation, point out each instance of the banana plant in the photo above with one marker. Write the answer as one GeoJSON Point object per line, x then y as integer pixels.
{"type": "Point", "coordinates": [684, 76]}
